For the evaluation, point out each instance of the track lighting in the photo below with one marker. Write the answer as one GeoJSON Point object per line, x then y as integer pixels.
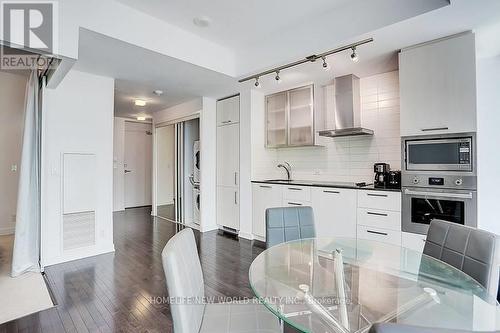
{"type": "Point", "coordinates": [308, 59]}
{"type": "Point", "coordinates": [278, 78]}
{"type": "Point", "coordinates": [354, 55]}
{"type": "Point", "coordinates": [326, 67]}
{"type": "Point", "coordinates": [257, 83]}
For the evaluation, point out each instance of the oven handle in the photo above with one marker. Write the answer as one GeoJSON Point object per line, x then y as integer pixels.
{"type": "Point", "coordinates": [440, 194]}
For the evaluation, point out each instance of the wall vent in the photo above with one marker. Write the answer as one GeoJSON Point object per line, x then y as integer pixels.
{"type": "Point", "coordinates": [78, 230]}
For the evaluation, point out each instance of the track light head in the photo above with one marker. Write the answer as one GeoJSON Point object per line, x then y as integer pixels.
{"type": "Point", "coordinates": [257, 83]}
{"type": "Point", "coordinates": [354, 55]}
{"type": "Point", "coordinates": [326, 67]}
{"type": "Point", "coordinates": [278, 78]}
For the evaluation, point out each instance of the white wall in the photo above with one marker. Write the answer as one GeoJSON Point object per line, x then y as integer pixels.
{"type": "Point", "coordinates": [488, 139]}
{"type": "Point", "coordinates": [208, 165]}
{"type": "Point", "coordinates": [166, 162]}
{"type": "Point", "coordinates": [77, 118]}
{"type": "Point", "coordinates": [340, 159]}
{"type": "Point", "coordinates": [118, 161]}
{"type": "Point", "coordinates": [12, 95]}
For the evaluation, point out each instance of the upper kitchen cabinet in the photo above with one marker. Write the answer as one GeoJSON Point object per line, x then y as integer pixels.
{"type": "Point", "coordinates": [228, 111]}
{"type": "Point", "coordinates": [438, 86]}
{"type": "Point", "coordinates": [290, 118]}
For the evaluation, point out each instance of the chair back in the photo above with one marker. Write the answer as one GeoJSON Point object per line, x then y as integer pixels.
{"type": "Point", "coordinates": [473, 251]}
{"type": "Point", "coordinates": [289, 223]}
{"type": "Point", "coordinates": [184, 282]}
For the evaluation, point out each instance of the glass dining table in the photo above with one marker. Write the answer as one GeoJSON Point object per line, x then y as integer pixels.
{"type": "Point", "coordinates": [346, 285]}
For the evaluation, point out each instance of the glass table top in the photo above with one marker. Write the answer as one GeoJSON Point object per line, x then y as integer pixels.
{"type": "Point", "coordinates": [345, 285]}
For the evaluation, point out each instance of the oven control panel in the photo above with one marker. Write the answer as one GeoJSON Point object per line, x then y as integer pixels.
{"type": "Point", "coordinates": [439, 181]}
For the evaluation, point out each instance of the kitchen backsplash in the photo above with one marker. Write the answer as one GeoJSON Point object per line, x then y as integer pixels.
{"type": "Point", "coordinates": [341, 159]}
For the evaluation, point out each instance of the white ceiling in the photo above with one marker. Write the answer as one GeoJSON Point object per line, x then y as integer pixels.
{"type": "Point", "coordinates": [265, 33]}
{"type": "Point", "coordinates": [138, 72]}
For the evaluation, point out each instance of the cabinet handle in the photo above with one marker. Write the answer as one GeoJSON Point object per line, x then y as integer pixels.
{"type": "Point", "coordinates": [235, 197]}
{"type": "Point", "coordinates": [294, 189]}
{"type": "Point", "coordinates": [226, 121]}
{"type": "Point", "coordinates": [377, 195]}
{"type": "Point", "coordinates": [434, 129]}
{"type": "Point", "coordinates": [236, 178]}
{"type": "Point", "coordinates": [334, 192]}
{"type": "Point", "coordinates": [264, 186]}
{"type": "Point", "coordinates": [294, 204]}
{"type": "Point", "coordinates": [378, 214]}
{"type": "Point", "coordinates": [376, 232]}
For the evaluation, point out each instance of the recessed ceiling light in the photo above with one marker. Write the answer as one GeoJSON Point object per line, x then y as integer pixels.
{"type": "Point", "coordinates": [141, 118]}
{"type": "Point", "coordinates": [158, 92]}
{"type": "Point", "coordinates": [140, 102]}
{"type": "Point", "coordinates": [202, 21]}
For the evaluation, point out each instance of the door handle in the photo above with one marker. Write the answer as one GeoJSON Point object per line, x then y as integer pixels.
{"type": "Point", "coordinates": [444, 128]}
{"type": "Point", "coordinates": [376, 232]}
{"type": "Point", "coordinates": [127, 171]}
{"type": "Point", "coordinates": [377, 195]}
{"type": "Point", "coordinates": [440, 194]}
{"type": "Point", "coordinates": [377, 214]}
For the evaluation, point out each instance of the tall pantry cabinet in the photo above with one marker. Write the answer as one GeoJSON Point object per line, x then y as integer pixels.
{"type": "Point", "coordinates": [228, 163]}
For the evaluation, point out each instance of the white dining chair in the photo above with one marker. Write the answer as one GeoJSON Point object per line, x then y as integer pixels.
{"type": "Point", "coordinates": [190, 312]}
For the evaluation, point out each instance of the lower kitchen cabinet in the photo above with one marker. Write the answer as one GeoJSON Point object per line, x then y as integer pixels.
{"type": "Point", "coordinates": [228, 213]}
{"type": "Point", "coordinates": [334, 212]}
{"type": "Point", "coordinates": [264, 196]}
{"type": "Point", "coordinates": [413, 241]}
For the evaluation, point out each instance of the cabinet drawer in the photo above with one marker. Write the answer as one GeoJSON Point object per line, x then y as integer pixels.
{"type": "Point", "coordinates": [296, 193]}
{"type": "Point", "coordinates": [379, 218]}
{"type": "Point", "coordinates": [383, 200]}
{"type": "Point", "coordinates": [379, 234]}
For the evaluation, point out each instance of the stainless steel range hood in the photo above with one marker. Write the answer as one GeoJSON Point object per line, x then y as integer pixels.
{"type": "Point", "coordinates": [347, 109]}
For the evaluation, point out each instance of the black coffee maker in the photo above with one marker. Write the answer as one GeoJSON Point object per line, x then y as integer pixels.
{"type": "Point", "coordinates": [381, 174]}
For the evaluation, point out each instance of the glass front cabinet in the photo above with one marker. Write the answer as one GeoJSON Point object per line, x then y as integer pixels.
{"type": "Point", "coordinates": [290, 118]}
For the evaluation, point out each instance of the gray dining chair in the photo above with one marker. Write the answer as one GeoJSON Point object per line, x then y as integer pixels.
{"type": "Point", "coordinates": [398, 328]}
{"type": "Point", "coordinates": [186, 287]}
{"type": "Point", "coordinates": [288, 223]}
{"type": "Point", "coordinates": [475, 252]}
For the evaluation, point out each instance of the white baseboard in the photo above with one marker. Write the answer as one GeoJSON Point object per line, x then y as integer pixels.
{"type": "Point", "coordinates": [78, 254]}
{"type": "Point", "coordinates": [245, 235]}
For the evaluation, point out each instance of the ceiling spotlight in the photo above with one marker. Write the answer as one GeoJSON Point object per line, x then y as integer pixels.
{"type": "Point", "coordinates": [354, 55]}
{"type": "Point", "coordinates": [158, 92]}
{"type": "Point", "coordinates": [202, 21]}
{"type": "Point", "coordinates": [140, 102]}
{"type": "Point", "coordinates": [141, 118]}
{"type": "Point", "coordinates": [326, 67]}
{"type": "Point", "coordinates": [257, 83]}
{"type": "Point", "coordinates": [278, 78]}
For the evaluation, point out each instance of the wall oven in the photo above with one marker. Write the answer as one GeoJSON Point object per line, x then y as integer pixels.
{"type": "Point", "coordinates": [422, 205]}
{"type": "Point", "coordinates": [438, 181]}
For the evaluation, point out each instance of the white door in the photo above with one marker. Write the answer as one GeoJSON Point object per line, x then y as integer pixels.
{"type": "Point", "coordinates": [228, 156]}
{"type": "Point", "coordinates": [165, 174]}
{"type": "Point", "coordinates": [137, 164]}
{"type": "Point", "coordinates": [264, 196]}
{"type": "Point", "coordinates": [334, 212]}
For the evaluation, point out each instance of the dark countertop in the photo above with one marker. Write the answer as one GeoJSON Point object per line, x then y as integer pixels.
{"type": "Point", "coordinates": [315, 183]}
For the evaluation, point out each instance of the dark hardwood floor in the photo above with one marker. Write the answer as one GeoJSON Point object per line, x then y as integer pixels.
{"type": "Point", "coordinates": [122, 292]}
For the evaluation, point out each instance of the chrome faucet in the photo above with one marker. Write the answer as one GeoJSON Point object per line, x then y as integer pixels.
{"type": "Point", "coordinates": [288, 169]}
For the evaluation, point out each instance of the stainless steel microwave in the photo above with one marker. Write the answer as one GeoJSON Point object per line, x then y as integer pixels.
{"type": "Point", "coordinates": [448, 153]}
